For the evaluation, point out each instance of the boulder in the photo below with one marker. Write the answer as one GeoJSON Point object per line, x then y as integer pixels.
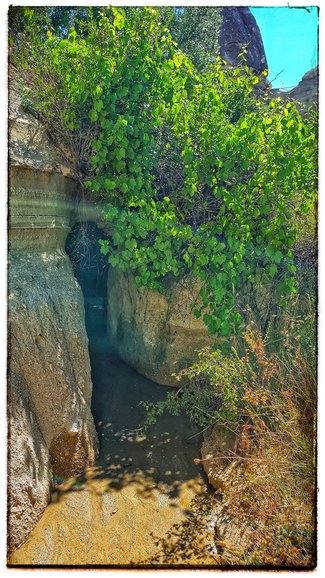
{"type": "Point", "coordinates": [218, 442]}
{"type": "Point", "coordinates": [239, 30]}
{"type": "Point", "coordinates": [155, 333]}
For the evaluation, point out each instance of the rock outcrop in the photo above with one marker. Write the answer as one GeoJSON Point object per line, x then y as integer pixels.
{"type": "Point", "coordinates": [219, 443]}
{"type": "Point", "coordinates": [156, 334]}
{"type": "Point", "coordinates": [50, 426]}
{"type": "Point", "coordinates": [239, 30]}
{"type": "Point", "coordinates": [306, 92]}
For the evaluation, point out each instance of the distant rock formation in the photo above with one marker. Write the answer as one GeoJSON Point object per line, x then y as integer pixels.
{"type": "Point", "coordinates": [51, 429]}
{"type": "Point", "coordinates": [239, 30]}
{"type": "Point", "coordinates": [306, 92]}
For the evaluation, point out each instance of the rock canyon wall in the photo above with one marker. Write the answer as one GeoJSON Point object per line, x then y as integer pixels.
{"type": "Point", "coordinates": [50, 426]}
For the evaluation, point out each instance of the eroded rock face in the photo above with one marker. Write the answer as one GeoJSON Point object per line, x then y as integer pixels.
{"type": "Point", "coordinates": [50, 384]}
{"type": "Point", "coordinates": [49, 352]}
{"type": "Point", "coordinates": [156, 334]}
{"type": "Point", "coordinates": [239, 30]}
{"type": "Point", "coordinates": [28, 464]}
{"type": "Point", "coordinates": [51, 429]}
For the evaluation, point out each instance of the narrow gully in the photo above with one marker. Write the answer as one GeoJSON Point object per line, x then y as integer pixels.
{"type": "Point", "coordinates": [144, 502]}
{"type": "Point", "coordinates": [167, 450]}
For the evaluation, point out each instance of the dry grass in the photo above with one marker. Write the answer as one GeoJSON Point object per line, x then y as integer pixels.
{"type": "Point", "coordinates": [273, 492]}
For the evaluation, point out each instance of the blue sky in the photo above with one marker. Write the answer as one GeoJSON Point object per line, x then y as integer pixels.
{"type": "Point", "coordinates": [290, 37]}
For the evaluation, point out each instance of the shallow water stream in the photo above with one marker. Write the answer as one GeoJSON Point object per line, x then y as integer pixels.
{"type": "Point", "coordinates": [145, 501]}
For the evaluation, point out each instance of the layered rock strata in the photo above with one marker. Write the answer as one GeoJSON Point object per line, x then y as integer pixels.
{"type": "Point", "coordinates": [50, 426]}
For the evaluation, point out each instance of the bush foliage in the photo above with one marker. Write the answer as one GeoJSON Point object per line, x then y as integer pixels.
{"type": "Point", "coordinates": [198, 171]}
{"type": "Point", "coordinates": [268, 399]}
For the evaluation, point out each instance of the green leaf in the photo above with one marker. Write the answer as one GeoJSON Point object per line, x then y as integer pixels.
{"type": "Point", "coordinates": [98, 105]}
{"type": "Point", "coordinates": [111, 213]}
{"type": "Point", "coordinates": [114, 260]}
{"type": "Point", "coordinates": [93, 115]}
{"type": "Point", "coordinates": [124, 187]}
{"type": "Point", "coordinates": [72, 34]}
{"type": "Point", "coordinates": [130, 244]}
{"type": "Point", "coordinates": [104, 247]}
{"type": "Point", "coordinates": [120, 153]}
{"type": "Point", "coordinates": [225, 328]}
{"type": "Point", "coordinates": [119, 20]}
{"type": "Point", "coordinates": [272, 270]}
{"type": "Point", "coordinates": [109, 185]}
{"type": "Point", "coordinates": [277, 257]}
{"type": "Point", "coordinates": [203, 259]}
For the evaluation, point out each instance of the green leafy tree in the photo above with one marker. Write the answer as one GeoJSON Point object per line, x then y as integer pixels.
{"type": "Point", "coordinates": [199, 175]}
{"type": "Point", "coordinates": [195, 29]}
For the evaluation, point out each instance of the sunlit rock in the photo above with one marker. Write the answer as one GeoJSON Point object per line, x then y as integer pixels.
{"type": "Point", "coordinates": [155, 333]}
{"type": "Point", "coordinates": [51, 429]}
